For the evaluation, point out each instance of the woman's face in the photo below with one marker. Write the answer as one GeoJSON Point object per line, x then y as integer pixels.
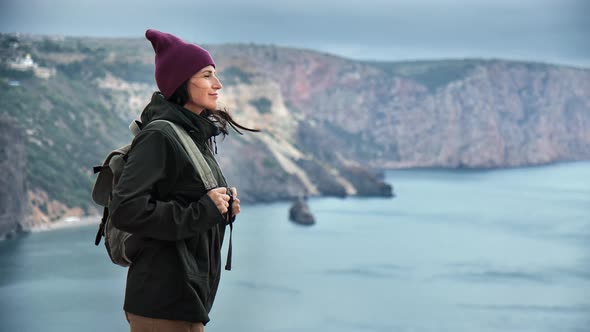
{"type": "Point", "coordinates": [202, 90]}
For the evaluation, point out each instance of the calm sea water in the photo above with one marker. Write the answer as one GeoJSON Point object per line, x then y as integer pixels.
{"type": "Point", "coordinates": [505, 250]}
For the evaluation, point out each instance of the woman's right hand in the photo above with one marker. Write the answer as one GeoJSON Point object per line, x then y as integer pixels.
{"type": "Point", "coordinates": [220, 197]}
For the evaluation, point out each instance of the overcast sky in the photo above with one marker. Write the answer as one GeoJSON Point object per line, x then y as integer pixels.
{"type": "Point", "coordinates": [554, 31]}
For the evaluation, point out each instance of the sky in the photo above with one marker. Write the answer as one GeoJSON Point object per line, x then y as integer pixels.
{"type": "Point", "coordinates": [550, 31]}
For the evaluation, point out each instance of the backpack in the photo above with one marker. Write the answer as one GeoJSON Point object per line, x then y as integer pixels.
{"type": "Point", "coordinates": [108, 177]}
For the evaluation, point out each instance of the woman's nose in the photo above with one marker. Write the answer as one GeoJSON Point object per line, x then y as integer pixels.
{"type": "Point", "coordinates": [217, 84]}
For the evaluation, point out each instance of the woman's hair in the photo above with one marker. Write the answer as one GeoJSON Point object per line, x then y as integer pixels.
{"type": "Point", "coordinates": [222, 117]}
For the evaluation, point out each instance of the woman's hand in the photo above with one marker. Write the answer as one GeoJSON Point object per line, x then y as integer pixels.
{"type": "Point", "coordinates": [220, 197]}
{"type": "Point", "coordinates": [236, 204]}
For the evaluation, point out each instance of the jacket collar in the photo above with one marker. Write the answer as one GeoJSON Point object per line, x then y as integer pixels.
{"type": "Point", "coordinates": [199, 126]}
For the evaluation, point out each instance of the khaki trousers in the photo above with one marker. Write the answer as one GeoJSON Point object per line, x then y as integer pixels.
{"type": "Point", "coordinates": [146, 324]}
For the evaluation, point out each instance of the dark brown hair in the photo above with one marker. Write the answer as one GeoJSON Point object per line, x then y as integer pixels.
{"type": "Point", "coordinates": [221, 116]}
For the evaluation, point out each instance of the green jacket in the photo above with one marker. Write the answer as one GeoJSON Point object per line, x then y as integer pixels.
{"type": "Point", "coordinates": [177, 229]}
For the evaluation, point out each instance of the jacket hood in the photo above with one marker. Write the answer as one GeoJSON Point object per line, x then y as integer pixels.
{"type": "Point", "coordinates": [161, 109]}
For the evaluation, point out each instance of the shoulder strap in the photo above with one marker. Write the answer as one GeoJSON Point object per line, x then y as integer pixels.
{"type": "Point", "coordinates": [195, 155]}
{"type": "Point", "coordinates": [204, 171]}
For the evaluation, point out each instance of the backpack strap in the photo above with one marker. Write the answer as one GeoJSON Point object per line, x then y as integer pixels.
{"type": "Point", "coordinates": [100, 232]}
{"type": "Point", "coordinates": [195, 155]}
{"type": "Point", "coordinates": [135, 127]}
{"type": "Point", "coordinates": [198, 161]}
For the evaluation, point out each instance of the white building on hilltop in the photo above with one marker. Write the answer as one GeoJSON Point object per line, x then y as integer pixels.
{"type": "Point", "coordinates": [23, 64]}
{"type": "Point", "coordinates": [27, 63]}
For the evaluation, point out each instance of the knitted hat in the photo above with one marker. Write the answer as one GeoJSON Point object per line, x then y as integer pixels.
{"type": "Point", "coordinates": [176, 60]}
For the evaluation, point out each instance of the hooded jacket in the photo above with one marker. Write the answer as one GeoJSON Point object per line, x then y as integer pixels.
{"type": "Point", "coordinates": [177, 229]}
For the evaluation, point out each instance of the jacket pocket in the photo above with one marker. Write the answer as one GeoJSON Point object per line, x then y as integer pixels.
{"type": "Point", "coordinates": [199, 286]}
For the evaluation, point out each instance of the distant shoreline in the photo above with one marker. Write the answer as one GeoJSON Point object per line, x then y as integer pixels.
{"type": "Point", "coordinates": [67, 223]}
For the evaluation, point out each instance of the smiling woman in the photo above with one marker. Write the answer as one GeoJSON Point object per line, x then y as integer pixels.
{"type": "Point", "coordinates": [176, 219]}
{"type": "Point", "coordinates": [203, 87]}
{"type": "Point", "coordinates": [200, 93]}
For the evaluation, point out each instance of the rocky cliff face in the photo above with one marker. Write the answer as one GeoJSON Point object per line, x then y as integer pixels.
{"type": "Point", "coordinates": [471, 113]}
{"type": "Point", "coordinates": [13, 192]}
{"type": "Point", "coordinates": [328, 123]}
{"type": "Point", "coordinates": [499, 115]}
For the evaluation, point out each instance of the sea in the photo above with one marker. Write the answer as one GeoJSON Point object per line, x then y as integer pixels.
{"type": "Point", "coordinates": [455, 250]}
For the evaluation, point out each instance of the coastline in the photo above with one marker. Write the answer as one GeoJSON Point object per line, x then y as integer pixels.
{"type": "Point", "coordinates": [66, 223]}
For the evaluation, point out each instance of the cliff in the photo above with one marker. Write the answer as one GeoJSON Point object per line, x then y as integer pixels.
{"type": "Point", "coordinates": [462, 113]}
{"type": "Point", "coordinates": [13, 193]}
{"type": "Point", "coordinates": [329, 124]}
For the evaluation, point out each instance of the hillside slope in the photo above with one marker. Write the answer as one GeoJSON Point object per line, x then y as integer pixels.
{"type": "Point", "coordinates": [329, 124]}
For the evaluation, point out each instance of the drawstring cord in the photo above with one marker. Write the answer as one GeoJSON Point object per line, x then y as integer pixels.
{"type": "Point", "coordinates": [230, 221]}
{"type": "Point", "coordinates": [213, 144]}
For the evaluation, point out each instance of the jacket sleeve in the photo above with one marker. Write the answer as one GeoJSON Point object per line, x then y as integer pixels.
{"type": "Point", "coordinates": [133, 207]}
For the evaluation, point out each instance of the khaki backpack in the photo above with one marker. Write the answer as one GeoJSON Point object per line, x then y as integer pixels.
{"type": "Point", "coordinates": [108, 177]}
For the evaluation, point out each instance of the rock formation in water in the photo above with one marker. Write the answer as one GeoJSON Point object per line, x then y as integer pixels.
{"type": "Point", "coordinates": [300, 213]}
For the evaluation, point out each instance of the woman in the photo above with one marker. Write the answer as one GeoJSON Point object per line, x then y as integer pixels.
{"type": "Point", "coordinates": [177, 225]}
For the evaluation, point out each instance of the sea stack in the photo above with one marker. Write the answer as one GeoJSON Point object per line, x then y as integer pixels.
{"type": "Point", "coordinates": [300, 213]}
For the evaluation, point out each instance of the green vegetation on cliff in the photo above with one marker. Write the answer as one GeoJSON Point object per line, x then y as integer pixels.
{"type": "Point", "coordinates": [74, 106]}
{"type": "Point", "coordinates": [433, 74]}
{"type": "Point", "coordinates": [67, 128]}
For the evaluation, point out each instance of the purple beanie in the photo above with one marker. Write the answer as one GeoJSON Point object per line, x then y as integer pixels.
{"type": "Point", "coordinates": [176, 60]}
